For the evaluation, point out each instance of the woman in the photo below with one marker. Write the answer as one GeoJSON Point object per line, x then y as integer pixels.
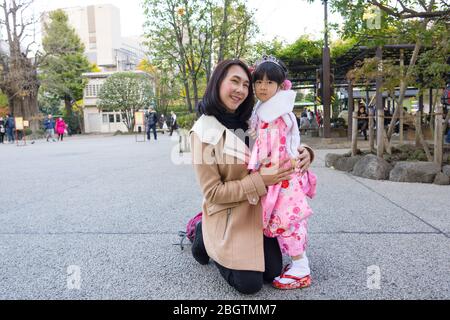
{"type": "Point", "coordinates": [363, 124]}
{"type": "Point", "coordinates": [2, 130]}
{"type": "Point", "coordinates": [231, 229]}
{"type": "Point", "coordinates": [60, 128]}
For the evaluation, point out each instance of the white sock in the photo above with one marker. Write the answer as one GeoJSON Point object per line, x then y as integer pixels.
{"type": "Point", "coordinates": [299, 268]}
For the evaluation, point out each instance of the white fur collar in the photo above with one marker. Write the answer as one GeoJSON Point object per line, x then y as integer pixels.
{"type": "Point", "coordinates": [281, 103]}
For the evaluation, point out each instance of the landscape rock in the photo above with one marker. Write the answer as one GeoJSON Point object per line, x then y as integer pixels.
{"type": "Point", "coordinates": [372, 167]}
{"type": "Point", "coordinates": [418, 171]}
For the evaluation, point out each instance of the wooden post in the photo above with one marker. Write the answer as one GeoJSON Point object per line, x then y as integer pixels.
{"type": "Point", "coordinates": [418, 129]}
{"type": "Point", "coordinates": [402, 112]}
{"type": "Point", "coordinates": [438, 135]}
{"type": "Point", "coordinates": [402, 67]}
{"type": "Point", "coordinates": [326, 89]}
{"type": "Point", "coordinates": [371, 133]}
{"type": "Point", "coordinates": [350, 110]}
{"type": "Point", "coordinates": [380, 111]}
{"type": "Point", "coordinates": [418, 124]}
{"type": "Point", "coordinates": [355, 133]}
{"type": "Point", "coordinates": [431, 109]}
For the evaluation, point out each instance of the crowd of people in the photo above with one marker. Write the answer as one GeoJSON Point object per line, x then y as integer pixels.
{"type": "Point", "coordinates": [50, 126]}
{"type": "Point", "coordinates": [152, 120]}
{"type": "Point", "coordinates": [310, 119]}
{"type": "Point", "coordinates": [7, 128]}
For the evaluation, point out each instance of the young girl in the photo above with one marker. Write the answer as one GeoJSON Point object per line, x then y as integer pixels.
{"type": "Point", "coordinates": [285, 210]}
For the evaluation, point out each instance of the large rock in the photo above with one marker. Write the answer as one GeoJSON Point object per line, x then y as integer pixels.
{"type": "Point", "coordinates": [346, 163]}
{"type": "Point", "coordinates": [331, 158]}
{"type": "Point", "coordinates": [441, 179]}
{"type": "Point", "coordinates": [419, 171]}
{"type": "Point", "coordinates": [372, 167]}
{"type": "Point", "coordinates": [446, 170]}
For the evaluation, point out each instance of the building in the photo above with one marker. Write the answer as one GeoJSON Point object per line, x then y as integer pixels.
{"type": "Point", "coordinates": [95, 120]}
{"type": "Point", "coordinates": [98, 27]}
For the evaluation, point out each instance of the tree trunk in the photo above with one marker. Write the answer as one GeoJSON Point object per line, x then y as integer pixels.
{"type": "Point", "coordinates": [223, 31]}
{"type": "Point", "coordinates": [195, 89]}
{"type": "Point", "coordinates": [27, 108]}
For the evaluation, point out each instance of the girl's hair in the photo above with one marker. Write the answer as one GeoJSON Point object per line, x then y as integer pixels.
{"type": "Point", "coordinates": [275, 71]}
{"type": "Point", "coordinates": [211, 104]}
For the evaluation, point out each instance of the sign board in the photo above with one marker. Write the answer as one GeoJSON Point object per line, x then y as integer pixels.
{"type": "Point", "coordinates": [26, 123]}
{"type": "Point", "coordinates": [19, 123]}
{"type": "Point", "coordinates": [139, 118]}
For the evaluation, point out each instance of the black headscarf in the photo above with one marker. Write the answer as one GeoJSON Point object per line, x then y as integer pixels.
{"type": "Point", "coordinates": [232, 121]}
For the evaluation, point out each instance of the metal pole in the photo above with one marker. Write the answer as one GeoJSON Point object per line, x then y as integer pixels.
{"type": "Point", "coordinates": [326, 77]}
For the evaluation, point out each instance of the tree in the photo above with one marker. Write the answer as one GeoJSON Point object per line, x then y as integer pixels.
{"type": "Point", "coordinates": [64, 64]}
{"type": "Point", "coordinates": [126, 92]}
{"type": "Point", "coordinates": [413, 21]}
{"type": "Point", "coordinates": [18, 74]}
{"type": "Point", "coordinates": [167, 87]}
{"type": "Point", "coordinates": [175, 30]}
{"type": "Point", "coordinates": [193, 35]}
{"type": "Point", "coordinates": [233, 28]}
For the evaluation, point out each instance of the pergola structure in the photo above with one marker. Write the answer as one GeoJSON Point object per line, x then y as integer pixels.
{"type": "Point", "coordinates": [307, 75]}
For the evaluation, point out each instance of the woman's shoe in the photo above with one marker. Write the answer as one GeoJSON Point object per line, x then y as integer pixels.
{"type": "Point", "coordinates": [198, 247]}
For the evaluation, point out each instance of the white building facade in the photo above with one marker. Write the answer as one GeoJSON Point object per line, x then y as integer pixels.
{"type": "Point", "coordinates": [95, 120]}
{"type": "Point", "coordinates": [98, 27]}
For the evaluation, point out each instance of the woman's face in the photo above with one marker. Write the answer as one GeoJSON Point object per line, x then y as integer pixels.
{"type": "Point", "coordinates": [234, 88]}
{"type": "Point", "coordinates": [265, 89]}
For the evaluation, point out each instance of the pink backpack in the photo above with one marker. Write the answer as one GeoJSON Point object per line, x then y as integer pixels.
{"type": "Point", "coordinates": [190, 230]}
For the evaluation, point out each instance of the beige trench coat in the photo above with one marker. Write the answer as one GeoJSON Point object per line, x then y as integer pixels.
{"type": "Point", "coordinates": [232, 212]}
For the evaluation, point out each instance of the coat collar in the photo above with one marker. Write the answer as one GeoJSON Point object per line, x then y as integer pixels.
{"type": "Point", "coordinates": [209, 130]}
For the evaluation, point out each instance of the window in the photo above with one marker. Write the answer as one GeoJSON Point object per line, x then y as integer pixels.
{"type": "Point", "coordinates": [111, 118]}
{"type": "Point", "coordinates": [117, 118]}
{"type": "Point", "coordinates": [105, 118]}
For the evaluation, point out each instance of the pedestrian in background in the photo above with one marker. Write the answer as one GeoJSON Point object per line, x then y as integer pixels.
{"type": "Point", "coordinates": [173, 122]}
{"type": "Point", "coordinates": [10, 126]}
{"type": "Point", "coordinates": [49, 126]}
{"type": "Point", "coordinates": [152, 120]}
{"type": "Point", "coordinates": [2, 130]}
{"type": "Point", "coordinates": [61, 127]}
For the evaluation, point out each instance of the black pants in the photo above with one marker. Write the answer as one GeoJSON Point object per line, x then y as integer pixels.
{"type": "Point", "coordinates": [151, 128]}
{"type": "Point", "coordinates": [61, 136]}
{"type": "Point", "coordinates": [362, 125]}
{"type": "Point", "coordinates": [249, 282]}
{"type": "Point", "coordinates": [2, 137]}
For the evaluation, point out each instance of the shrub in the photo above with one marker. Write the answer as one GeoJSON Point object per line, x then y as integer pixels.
{"type": "Point", "coordinates": [187, 121]}
{"type": "Point", "coordinates": [337, 122]}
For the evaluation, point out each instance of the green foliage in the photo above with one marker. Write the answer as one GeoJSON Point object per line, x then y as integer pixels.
{"type": "Point", "coordinates": [260, 48]}
{"type": "Point", "coordinates": [48, 104]}
{"type": "Point", "coordinates": [183, 38]}
{"type": "Point", "coordinates": [3, 99]}
{"type": "Point", "coordinates": [187, 121]}
{"type": "Point", "coordinates": [304, 48]}
{"type": "Point", "coordinates": [126, 92]}
{"type": "Point", "coordinates": [64, 61]}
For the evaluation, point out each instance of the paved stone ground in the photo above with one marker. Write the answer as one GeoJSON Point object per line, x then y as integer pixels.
{"type": "Point", "coordinates": [113, 206]}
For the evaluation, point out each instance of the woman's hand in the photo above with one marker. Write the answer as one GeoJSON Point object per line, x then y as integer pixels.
{"type": "Point", "coordinates": [252, 133]}
{"type": "Point", "coordinates": [303, 160]}
{"type": "Point", "coordinates": [275, 174]}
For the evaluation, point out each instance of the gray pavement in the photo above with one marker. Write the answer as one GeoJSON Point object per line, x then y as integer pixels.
{"type": "Point", "coordinates": [112, 208]}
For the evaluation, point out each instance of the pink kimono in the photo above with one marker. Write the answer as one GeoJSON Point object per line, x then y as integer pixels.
{"type": "Point", "coordinates": [285, 207]}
